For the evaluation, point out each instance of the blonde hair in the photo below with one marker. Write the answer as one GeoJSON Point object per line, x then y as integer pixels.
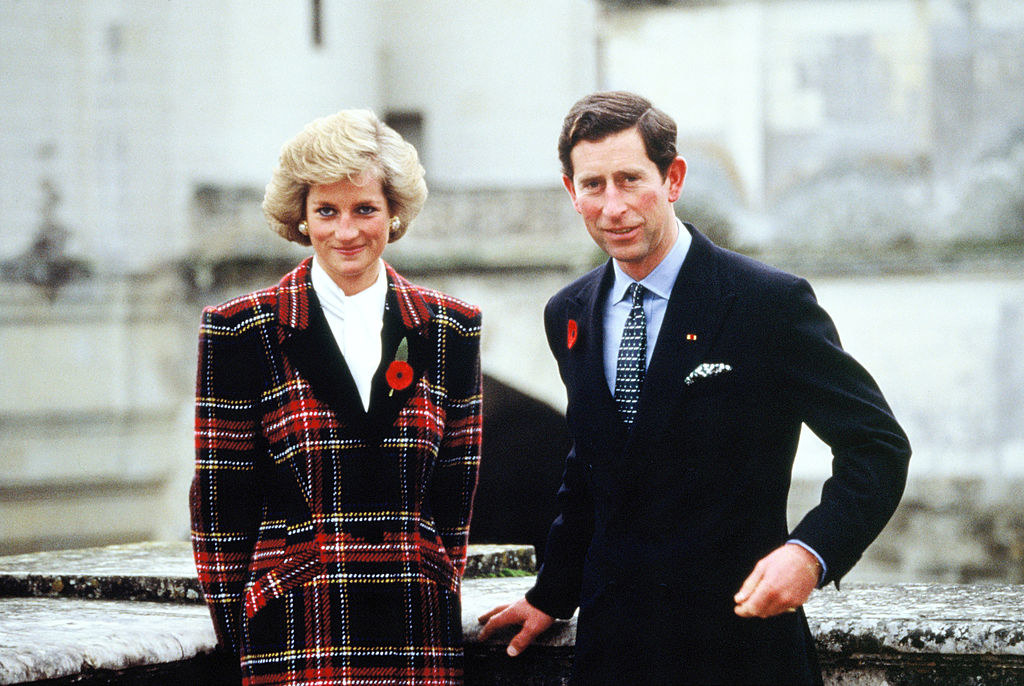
{"type": "Point", "coordinates": [345, 145]}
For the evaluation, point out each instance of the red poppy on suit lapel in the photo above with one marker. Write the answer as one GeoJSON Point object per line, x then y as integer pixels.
{"type": "Point", "coordinates": [571, 333]}
{"type": "Point", "coordinates": [399, 372]}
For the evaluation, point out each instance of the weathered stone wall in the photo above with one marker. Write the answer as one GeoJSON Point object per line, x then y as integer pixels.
{"type": "Point", "coordinates": [77, 617]}
{"type": "Point", "coordinates": [950, 530]}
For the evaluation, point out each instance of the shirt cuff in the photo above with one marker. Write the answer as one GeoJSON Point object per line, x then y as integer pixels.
{"type": "Point", "coordinates": [812, 551]}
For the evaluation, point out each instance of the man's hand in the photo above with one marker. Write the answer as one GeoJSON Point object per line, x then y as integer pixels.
{"type": "Point", "coordinates": [781, 582]}
{"type": "Point", "coordinates": [533, 621]}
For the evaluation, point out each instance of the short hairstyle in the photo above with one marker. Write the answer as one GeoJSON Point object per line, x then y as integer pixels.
{"type": "Point", "coordinates": [599, 115]}
{"type": "Point", "coordinates": [344, 146]}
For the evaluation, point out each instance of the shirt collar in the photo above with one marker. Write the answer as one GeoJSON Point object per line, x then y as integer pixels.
{"type": "Point", "coordinates": [663, 277]}
{"type": "Point", "coordinates": [366, 304]}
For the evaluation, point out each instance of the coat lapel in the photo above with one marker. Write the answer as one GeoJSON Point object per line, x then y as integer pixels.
{"type": "Point", "coordinates": [310, 346]}
{"type": "Point", "coordinates": [406, 315]}
{"type": "Point", "coordinates": [308, 343]}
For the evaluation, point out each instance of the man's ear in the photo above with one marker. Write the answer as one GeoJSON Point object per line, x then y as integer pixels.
{"type": "Point", "coordinates": [571, 189]}
{"type": "Point", "coordinates": [675, 176]}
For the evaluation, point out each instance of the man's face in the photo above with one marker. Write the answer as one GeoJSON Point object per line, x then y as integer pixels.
{"type": "Point", "coordinates": [624, 201]}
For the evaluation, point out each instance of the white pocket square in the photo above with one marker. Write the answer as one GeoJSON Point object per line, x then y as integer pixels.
{"type": "Point", "coordinates": [706, 370]}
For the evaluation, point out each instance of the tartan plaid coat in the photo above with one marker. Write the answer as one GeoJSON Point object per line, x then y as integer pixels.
{"type": "Point", "coordinates": [330, 541]}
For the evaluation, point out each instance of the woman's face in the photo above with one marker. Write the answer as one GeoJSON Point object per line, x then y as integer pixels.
{"type": "Point", "coordinates": [348, 227]}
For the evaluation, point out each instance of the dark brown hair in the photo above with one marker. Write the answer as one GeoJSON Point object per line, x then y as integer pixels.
{"type": "Point", "coordinates": [599, 115]}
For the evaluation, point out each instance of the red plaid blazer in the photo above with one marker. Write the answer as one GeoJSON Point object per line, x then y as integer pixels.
{"type": "Point", "coordinates": [330, 541]}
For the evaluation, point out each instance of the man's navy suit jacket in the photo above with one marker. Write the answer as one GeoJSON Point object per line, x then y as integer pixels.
{"type": "Point", "coordinates": [660, 524]}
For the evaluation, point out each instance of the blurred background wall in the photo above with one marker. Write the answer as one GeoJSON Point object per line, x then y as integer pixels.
{"type": "Point", "coordinates": [875, 146]}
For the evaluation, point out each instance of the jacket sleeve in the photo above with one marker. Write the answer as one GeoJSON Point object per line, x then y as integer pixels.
{"type": "Point", "coordinates": [453, 483]}
{"type": "Point", "coordinates": [557, 590]}
{"type": "Point", "coordinates": [224, 498]}
{"type": "Point", "coordinates": [840, 402]}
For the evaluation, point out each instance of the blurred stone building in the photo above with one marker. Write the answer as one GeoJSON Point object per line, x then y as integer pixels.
{"type": "Point", "coordinates": [147, 129]}
{"type": "Point", "coordinates": [137, 137]}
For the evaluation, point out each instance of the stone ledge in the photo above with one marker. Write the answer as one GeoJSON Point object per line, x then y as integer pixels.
{"type": "Point", "coordinates": [166, 572]}
{"type": "Point", "coordinates": [61, 637]}
{"type": "Point", "coordinates": [912, 634]}
{"type": "Point", "coordinates": [934, 619]}
{"type": "Point", "coordinates": [865, 634]}
{"type": "Point", "coordinates": [53, 638]}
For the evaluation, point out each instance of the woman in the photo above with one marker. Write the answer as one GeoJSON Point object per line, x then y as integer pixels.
{"type": "Point", "coordinates": [338, 434]}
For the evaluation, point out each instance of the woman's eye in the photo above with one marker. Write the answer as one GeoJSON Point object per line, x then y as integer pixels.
{"type": "Point", "coordinates": [325, 211]}
{"type": "Point", "coordinates": [366, 209]}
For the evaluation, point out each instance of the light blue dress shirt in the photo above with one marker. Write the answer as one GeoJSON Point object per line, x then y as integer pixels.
{"type": "Point", "coordinates": [659, 285]}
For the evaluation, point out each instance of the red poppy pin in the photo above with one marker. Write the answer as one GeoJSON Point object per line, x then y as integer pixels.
{"type": "Point", "coordinates": [399, 372]}
{"type": "Point", "coordinates": [571, 334]}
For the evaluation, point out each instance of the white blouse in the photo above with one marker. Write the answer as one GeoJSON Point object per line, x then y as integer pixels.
{"type": "Point", "coordinates": [356, 322]}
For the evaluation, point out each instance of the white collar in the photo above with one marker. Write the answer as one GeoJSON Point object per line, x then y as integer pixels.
{"type": "Point", "coordinates": [355, 322]}
{"type": "Point", "coordinates": [366, 305]}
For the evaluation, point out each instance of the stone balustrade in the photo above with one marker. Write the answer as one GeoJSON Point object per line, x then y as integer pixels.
{"type": "Point", "coordinates": [133, 615]}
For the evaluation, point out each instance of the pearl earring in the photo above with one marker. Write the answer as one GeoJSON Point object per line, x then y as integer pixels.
{"type": "Point", "coordinates": [303, 228]}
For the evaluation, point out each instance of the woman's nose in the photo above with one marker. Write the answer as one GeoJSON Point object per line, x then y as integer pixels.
{"type": "Point", "coordinates": [344, 228]}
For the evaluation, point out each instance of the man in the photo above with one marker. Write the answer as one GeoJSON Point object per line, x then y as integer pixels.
{"type": "Point", "coordinates": [685, 401]}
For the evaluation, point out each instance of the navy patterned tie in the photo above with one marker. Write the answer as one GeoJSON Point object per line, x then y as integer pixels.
{"type": "Point", "coordinates": [632, 362]}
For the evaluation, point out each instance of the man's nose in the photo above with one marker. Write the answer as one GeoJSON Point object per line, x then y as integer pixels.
{"type": "Point", "coordinates": [614, 203]}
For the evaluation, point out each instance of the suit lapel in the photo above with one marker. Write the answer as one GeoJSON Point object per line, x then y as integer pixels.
{"type": "Point", "coordinates": [585, 363]}
{"type": "Point", "coordinates": [696, 309]}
